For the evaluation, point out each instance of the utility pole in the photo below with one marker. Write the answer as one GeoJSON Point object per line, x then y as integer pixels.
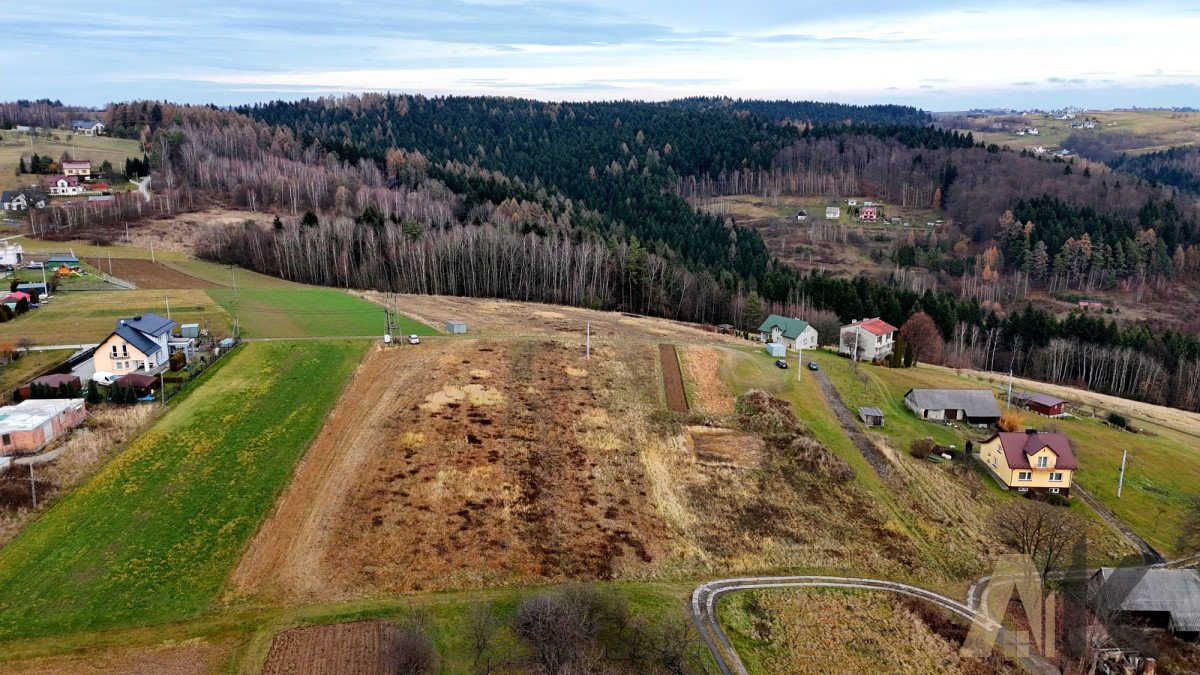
{"type": "Point", "coordinates": [588, 348]}
{"type": "Point", "coordinates": [1008, 400]}
{"type": "Point", "coordinates": [799, 360]}
{"type": "Point", "coordinates": [110, 264]}
{"type": "Point", "coordinates": [152, 252]}
{"type": "Point", "coordinates": [1121, 480]}
{"type": "Point", "coordinates": [32, 485]}
{"type": "Point", "coordinates": [168, 299]}
{"type": "Point", "coordinates": [127, 239]}
{"type": "Point", "coordinates": [162, 389]}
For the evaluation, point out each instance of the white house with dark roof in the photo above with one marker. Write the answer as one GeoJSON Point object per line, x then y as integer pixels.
{"type": "Point", "coordinates": [974, 406]}
{"type": "Point", "coordinates": [139, 344]}
{"type": "Point", "coordinates": [88, 127]}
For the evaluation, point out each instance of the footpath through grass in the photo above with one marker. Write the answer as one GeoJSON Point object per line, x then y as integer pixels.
{"type": "Point", "coordinates": [153, 536]}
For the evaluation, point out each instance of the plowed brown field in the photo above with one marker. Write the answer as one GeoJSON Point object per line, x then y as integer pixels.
{"type": "Point", "coordinates": [672, 378]}
{"type": "Point", "coordinates": [359, 647]}
{"type": "Point", "coordinates": [468, 463]}
{"type": "Point", "coordinates": [149, 275]}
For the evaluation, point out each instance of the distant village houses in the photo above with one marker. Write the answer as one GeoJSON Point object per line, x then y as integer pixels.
{"type": "Point", "coordinates": [832, 213]}
{"type": "Point", "coordinates": [22, 200]}
{"type": "Point", "coordinates": [82, 169]}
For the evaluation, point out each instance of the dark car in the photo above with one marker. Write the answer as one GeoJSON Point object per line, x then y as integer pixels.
{"type": "Point", "coordinates": [812, 365]}
{"type": "Point", "coordinates": [781, 363]}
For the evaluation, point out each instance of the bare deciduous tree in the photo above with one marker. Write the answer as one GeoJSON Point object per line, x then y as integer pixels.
{"type": "Point", "coordinates": [1043, 532]}
{"type": "Point", "coordinates": [556, 628]}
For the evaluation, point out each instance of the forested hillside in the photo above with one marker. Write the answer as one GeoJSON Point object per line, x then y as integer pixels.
{"type": "Point", "coordinates": [811, 112]}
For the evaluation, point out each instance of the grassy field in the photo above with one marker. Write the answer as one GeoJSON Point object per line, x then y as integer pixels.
{"type": "Point", "coordinates": [94, 148]}
{"type": "Point", "coordinates": [15, 373]}
{"type": "Point", "coordinates": [89, 316]}
{"type": "Point", "coordinates": [153, 536]}
{"type": "Point", "coordinates": [306, 311]}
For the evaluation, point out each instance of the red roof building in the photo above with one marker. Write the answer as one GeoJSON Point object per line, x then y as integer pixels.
{"type": "Point", "coordinates": [1019, 446]}
{"type": "Point", "coordinates": [876, 326]}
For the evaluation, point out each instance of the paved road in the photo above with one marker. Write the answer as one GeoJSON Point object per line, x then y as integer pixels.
{"type": "Point", "coordinates": [704, 599]}
{"type": "Point", "coordinates": [852, 427]}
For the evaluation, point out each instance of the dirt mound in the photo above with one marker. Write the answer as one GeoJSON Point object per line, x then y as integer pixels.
{"type": "Point", "coordinates": [772, 417]}
{"type": "Point", "coordinates": [362, 647]}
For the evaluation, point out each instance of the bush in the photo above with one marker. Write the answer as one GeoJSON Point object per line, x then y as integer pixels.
{"type": "Point", "coordinates": [1058, 500]}
{"type": "Point", "coordinates": [1010, 420]}
{"type": "Point", "coordinates": [1117, 420]}
{"type": "Point", "coordinates": [922, 448]}
{"type": "Point", "coordinates": [813, 457]}
{"type": "Point", "coordinates": [178, 361]}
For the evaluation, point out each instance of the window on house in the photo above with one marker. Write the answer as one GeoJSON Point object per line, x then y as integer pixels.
{"type": "Point", "coordinates": [1024, 475]}
{"type": "Point", "coordinates": [1056, 476]}
{"type": "Point", "coordinates": [114, 351]}
{"type": "Point", "coordinates": [7, 439]}
{"type": "Point", "coordinates": [1054, 490]}
{"type": "Point", "coordinates": [1043, 462]}
{"type": "Point", "coordinates": [124, 349]}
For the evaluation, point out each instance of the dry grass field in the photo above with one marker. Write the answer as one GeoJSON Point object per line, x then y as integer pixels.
{"type": "Point", "coordinates": [824, 631]}
{"type": "Point", "coordinates": [189, 657]}
{"type": "Point", "coordinates": [469, 463]}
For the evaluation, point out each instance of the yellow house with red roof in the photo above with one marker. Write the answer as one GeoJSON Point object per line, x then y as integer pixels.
{"type": "Point", "coordinates": [1037, 461]}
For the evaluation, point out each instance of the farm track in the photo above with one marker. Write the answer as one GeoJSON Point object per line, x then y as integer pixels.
{"type": "Point", "coordinates": [851, 426]}
{"type": "Point", "coordinates": [672, 378]}
{"type": "Point", "coordinates": [1149, 555]}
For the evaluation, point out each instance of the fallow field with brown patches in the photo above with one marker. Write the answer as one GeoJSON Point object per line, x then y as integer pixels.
{"type": "Point", "coordinates": [470, 463]}
{"type": "Point", "coordinates": [148, 274]}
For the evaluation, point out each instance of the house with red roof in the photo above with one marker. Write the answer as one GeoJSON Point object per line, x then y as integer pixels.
{"type": "Point", "coordinates": [868, 339]}
{"type": "Point", "coordinates": [1030, 461]}
{"type": "Point", "coordinates": [63, 186]}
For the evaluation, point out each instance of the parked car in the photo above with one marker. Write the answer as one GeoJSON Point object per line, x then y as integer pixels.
{"type": "Point", "coordinates": [812, 365]}
{"type": "Point", "coordinates": [781, 363]}
{"type": "Point", "coordinates": [414, 340]}
{"type": "Point", "coordinates": [35, 266]}
{"type": "Point", "coordinates": [104, 378]}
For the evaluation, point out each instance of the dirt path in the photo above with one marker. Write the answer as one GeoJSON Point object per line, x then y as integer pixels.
{"type": "Point", "coordinates": [672, 378]}
{"type": "Point", "coordinates": [851, 426]}
{"type": "Point", "coordinates": [284, 559]}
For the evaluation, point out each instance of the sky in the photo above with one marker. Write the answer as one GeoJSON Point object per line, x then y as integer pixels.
{"type": "Point", "coordinates": [934, 55]}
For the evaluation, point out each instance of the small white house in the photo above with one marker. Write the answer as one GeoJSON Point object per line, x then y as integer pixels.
{"type": "Point", "coordinates": [832, 213]}
{"type": "Point", "coordinates": [63, 186]}
{"type": "Point", "coordinates": [868, 339]}
{"type": "Point", "coordinates": [792, 333]}
{"type": "Point", "coordinates": [88, 127]}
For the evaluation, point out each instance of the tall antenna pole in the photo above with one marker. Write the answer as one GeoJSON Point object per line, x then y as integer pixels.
{"type": "Point", "coordinates": [588, 352]}
{"type": "Point", "coordinates": [1008, 401]}
{"type": "Point", "coordinates": [1121, 480]}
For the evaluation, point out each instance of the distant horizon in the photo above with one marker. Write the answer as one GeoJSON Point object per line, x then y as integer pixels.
{"type": "Point", "coordinates": [937, 55]}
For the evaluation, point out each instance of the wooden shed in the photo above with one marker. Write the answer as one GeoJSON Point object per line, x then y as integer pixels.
{"type": "Point", "coordinates": [872, 417]}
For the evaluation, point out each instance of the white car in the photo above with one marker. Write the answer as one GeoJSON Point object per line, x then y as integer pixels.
{"type": "Point", "coordinates": [104, 378]}
{"type": "Point", "coordinates": [414, 340]}
{"type": "Point", "coordinates": [35, 266]}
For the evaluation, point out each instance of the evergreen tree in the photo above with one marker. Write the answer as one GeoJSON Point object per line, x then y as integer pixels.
{"type": "Point", "coordinates": [277, 224]}
{"type": "Point", "coordinates": [309, 219]}
{"type": "Point", "coordinates": [908, 356]}
{"type": "Point", "coordinates": [93, 395]}
{"type": "Point", "coordinates": [752, 313]}
{"type": "Point", "coordinates": [21, 166]}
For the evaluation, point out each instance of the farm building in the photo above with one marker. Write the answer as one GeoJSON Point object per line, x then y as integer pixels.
{"type": "Point", "coordinates": [1030, 461]}
{"type": "Point", "coordinates": [62, 259]}
{"type": "Point", "coordinates": [802, 215]}
{"type": "Point", "coordinates": [725, 328]}
{"type": "Point", "coordinates": [30, 425]}
{"type": "Point", "coordinates": [974, 406]}
{"type": "Point", "coordinates": [1040, 403]}
{"type": "Point", "coordinates": [1157, 597]}
{"type": "Point", "coordinates": [868, 339]}
{"type": "Point", "coordinates": [792, 333]}
{"type": "Point", "coordinates": [138, 344]}
{"type": "Point", "coordinates": [832, 213]}
{"type": "Point", "coordinates": [55, 383]}
{"type": "Point", "coordinates": [872, 417]}
{"type": "Point", "coordinates": [456, 326]}
{"type": "Point", "coordinates": [190, 330]}
{"type": "Point", "coordinates": [11, 254]}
